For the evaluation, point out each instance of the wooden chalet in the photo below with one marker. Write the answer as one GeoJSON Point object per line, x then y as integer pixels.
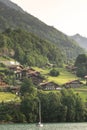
{"type": "Point", "coordinates": [71, 68]}
{"type": "Point", "coordinates": [49, 65]}
{"type": "Point", "coordinates": [85, 77]}
{"type": "Point", "coordinates": [73, 84]}
{"type": "Point", "coordinates": [29, 73]}
{"type": "Point", "coordinates": [49, 86]}
{"type": "Point", "coordinates": [15, 89]}
{"type": "Point", "coordinates": [36, 77]}
{"type": "Point", "coordinates": [3, 85]}
{"type": "Point", "coordinates": [16, 68]}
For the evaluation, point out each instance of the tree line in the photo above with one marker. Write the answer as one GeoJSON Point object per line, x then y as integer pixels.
{"type": "Point", "coordinates": [63, 106]}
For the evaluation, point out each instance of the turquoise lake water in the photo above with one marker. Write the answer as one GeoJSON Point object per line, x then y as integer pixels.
{"type": "Point", "coordinates": [57, 126]}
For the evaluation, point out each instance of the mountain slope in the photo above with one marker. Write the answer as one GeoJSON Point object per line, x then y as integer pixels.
{"type": "Point", "coordinates": [28, 48]}
{"type": "Point", "coordinates": [11, 5]}
{"type": "Point", "coordinates": [82, 41]}
{"type": "Point", "coordinates": [13, 17]}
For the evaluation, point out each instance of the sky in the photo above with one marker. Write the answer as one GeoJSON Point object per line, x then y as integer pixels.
{"type": "Point", "coordinates": [68, 16]}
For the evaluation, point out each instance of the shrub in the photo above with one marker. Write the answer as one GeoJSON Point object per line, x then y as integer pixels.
{"type": "Point", "coordinates": [54, 72]}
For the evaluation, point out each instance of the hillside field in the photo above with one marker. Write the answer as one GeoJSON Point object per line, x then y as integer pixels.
{"type": "Point", "coordinates": [7, 97]}
{"type": "Point", "coordinates": [82, 92]}
{"type": "Point", "coordinates": [64, 76]}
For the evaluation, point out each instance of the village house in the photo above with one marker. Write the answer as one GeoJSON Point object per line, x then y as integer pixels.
{"type": "Point", "coordinates": [34, 75]}
{"type": "Point", "coordinates": [3, 85]}
{"type": "Point", "coordinates": [22, 73]}
{"type": "Point", "coordinates": [16, 68]}
{"type": "Point", "coordinates": [85, 77]}
{"type": "Point", "coordinates": [73, 84]}
{"type": "Point", "coordinates": [49, 86]}
{"type": "Point", "coordinates": [71, 68]}
{"type": "Point", "coordinates": [49, 65]}
{"type": "Point", "coordinates": [15, 89]}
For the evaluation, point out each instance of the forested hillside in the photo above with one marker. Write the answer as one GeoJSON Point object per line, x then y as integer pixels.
{"type": "Point", "coordinates": [12, 16]}
{"type": "Point", "coordinates": [28, 48]}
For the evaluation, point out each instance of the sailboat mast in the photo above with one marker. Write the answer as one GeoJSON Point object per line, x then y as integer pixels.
{"type": "Point", "coordinates": [39, 111]}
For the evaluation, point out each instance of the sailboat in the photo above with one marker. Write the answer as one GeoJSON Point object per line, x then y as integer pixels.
{"type": "Point", "coordinates": [39, 123]}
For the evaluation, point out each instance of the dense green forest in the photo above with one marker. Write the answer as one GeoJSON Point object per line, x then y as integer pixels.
{"type": "Point", "coordinates": [29, 49]}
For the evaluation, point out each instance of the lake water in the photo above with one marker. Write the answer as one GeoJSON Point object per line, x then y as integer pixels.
{"type": "Point", "coordinates": [57, 126]}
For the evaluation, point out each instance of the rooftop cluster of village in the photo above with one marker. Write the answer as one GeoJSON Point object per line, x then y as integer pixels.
{"type": "Point", "coordinates": [40, 82]}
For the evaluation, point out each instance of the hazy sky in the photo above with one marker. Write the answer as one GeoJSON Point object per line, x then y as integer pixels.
{"type": "Point", "coordinates": [68, 16]}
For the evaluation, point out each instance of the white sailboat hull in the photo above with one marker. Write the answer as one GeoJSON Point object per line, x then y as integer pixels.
{"type": "Point", "coordinates": [40, 124]}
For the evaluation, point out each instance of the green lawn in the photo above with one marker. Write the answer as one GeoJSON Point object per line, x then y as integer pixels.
{"type": "Point", "coordinates": [83, 95]}
{"type": "Point", "coordinates": [64, 76]}
{"type": "Point", "coordinates": [82, 92]}
{"type": "Point", "coordinates": [7, 97]}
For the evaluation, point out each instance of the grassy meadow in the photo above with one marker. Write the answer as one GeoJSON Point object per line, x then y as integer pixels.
{"type": "Point", "coordinates": [82, 91]}
{"type": "Point", "coordinates": [7, 97]}
{"type": "Point", "coordinates": [64, 76]}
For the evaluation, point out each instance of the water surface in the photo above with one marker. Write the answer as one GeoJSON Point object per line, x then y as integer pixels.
{"type": "Point", "coordinates": [56, 126]}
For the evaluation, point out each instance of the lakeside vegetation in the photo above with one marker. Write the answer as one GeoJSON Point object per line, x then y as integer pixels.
{"type": "Point", "coordinates": [65, 106]}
